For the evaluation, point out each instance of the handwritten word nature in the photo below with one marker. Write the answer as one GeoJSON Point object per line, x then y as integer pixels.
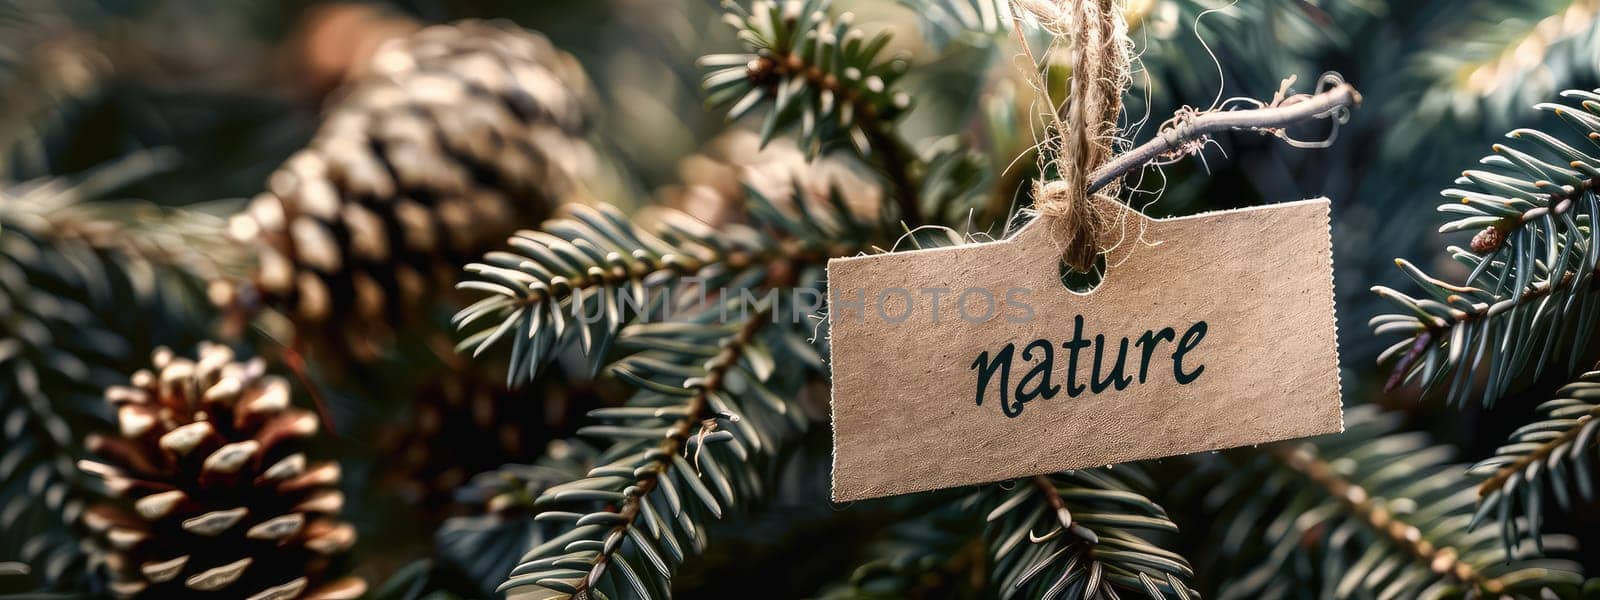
{"type": "Point", "coordinates": [994, 369]}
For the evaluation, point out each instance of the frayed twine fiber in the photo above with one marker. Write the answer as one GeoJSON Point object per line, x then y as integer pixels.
{"type": "Point", "coordinates": [1085, 129]}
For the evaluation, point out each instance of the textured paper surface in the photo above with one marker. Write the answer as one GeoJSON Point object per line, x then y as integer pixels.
{"type": "Point", "coordinates": [905, 417]}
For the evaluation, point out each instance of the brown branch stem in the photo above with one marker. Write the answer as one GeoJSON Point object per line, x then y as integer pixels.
{"type": "Point", "coordinates": [1049, 489]}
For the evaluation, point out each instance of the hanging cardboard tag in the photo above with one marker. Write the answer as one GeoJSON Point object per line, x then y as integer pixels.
{"type": "Point", "coordinates": [971, 364]}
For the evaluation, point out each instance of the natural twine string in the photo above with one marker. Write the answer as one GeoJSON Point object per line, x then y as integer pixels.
{"type": "Point", "coordinates": [1086, 128]}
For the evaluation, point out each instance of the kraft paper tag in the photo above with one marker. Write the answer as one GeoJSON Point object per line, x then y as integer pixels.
{"type": "Point", "coordinates": [1207, 332]}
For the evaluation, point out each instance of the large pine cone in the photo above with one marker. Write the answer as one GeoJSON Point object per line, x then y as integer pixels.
{"type": "Point", "coordinates": [224, 502]}
{"type": "Point", "coordinates": [454, 137]}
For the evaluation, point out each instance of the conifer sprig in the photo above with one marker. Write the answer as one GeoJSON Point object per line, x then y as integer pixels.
{"type": "Point", "coordinates": [181, 239]}
{"type": "Point", "coordinates": [822, 75]}
{"type": "Point", "coordinates": [581, 279]}
{"type": "Point", "coordinates": [53, 353]}
{"type": "Point", "coordinates": [1076, 534]}
{"type": "Point", "coordinates": [1374, 511]}
{"type": "Point", "coordinates": [1081, 534]}
{"type": "Point", "coordinates": [818, 72]}
{"type": "Point", "coordinates": [1528, 299]}
{"type": "Point", "coordinates": [1554, 456]}
{"type": "Point", "coordinates": [72, 315]}
{"type": "Point", "coordinates": [685, 448]}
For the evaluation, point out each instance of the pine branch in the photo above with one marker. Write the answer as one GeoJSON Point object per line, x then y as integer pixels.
{"type": "Point", "coordinates": [826, 77]}
{"type": "Point", "coordinates": [1091, 545]}
{"type": "Point", "coordinates": [1384, 513]}
{"type": "Point", "coordinates": [1532, 266]}
{"type": "Point", "coordinates": [824, 81]}
{"type": "Point", "coordinates": [1553, 456]}
{"type": "Point", "coordinates": [598, 263]}
{"type": "Point", "coordinates": [184, 240]}
{"type": "Point", "coordinates": [74, 317]}
{"type": "Point", "coordinates": [685, 448]}
{"type": "Point", "coordinates": [52, 351]}
{"type": "Point", "coordinates": [599, 267]}
{"type": "Point", "coordinates": [1076, 534]}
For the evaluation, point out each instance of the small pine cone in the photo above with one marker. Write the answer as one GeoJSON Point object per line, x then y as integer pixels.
{"type": "Point", "coordinates": [1488, 240]}
{"type": "Point", "coordinates": [463, 424]}
{"type": "Point", "coordinates": [712, 183]}
{"type": "Point", "coordinates": [213, 496]}
{"type": "Point", "coordinates": [454, 136]}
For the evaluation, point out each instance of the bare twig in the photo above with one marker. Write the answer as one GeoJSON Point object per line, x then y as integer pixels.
{"type": "Point", "coordinates": [1272, 119]}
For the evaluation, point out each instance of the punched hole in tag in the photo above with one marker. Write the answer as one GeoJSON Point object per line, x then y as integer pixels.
{"type": "Point", "coordinates": [1083, 283]}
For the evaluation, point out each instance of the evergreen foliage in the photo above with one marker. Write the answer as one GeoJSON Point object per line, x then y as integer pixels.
{"type": "Point", "coordinates": [54, 351]}
{"type": "Point", "coordinates": [582, 279]}
{"type": "Point", "coordinates": [72, 317]}
{"type": "Point", "coordinates": [484, 547]}
{"type": "Point", "coordinates": [1552, 457]}
{"type": "Point", "coordinates": [457, 135]}
{"type": "Point", "coordinates": [688, 446]}
{"type": "Point", "coordinates": [1094, 541]}
{"type": "Point", "coordinates": [815, 71]}
{"type": "Point", "coordinates": [1527, 300]}
{"type": "Point", "coordinates": [1373, 510]}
